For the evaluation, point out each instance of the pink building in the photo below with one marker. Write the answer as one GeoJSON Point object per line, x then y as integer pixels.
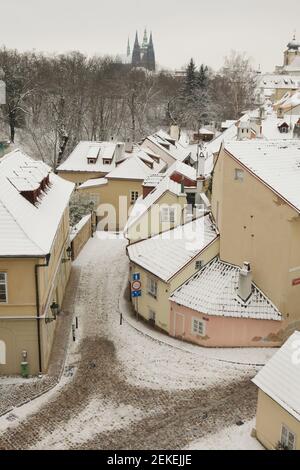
{"type": "Point", "coordinates": [220, 306]}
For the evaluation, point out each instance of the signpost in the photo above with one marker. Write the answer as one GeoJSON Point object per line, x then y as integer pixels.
{"type": "Point", "coordinates": [136, 287]}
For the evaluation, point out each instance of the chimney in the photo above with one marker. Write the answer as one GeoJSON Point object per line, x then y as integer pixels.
{"type": "Point", "coordinates": [129, 145]}
{"type": "Point", "coordinates": [119, 151]}
{"type": "Point", "coordinates": [175, 132]}
{"type": "Point", "coordinates": [245, 282]}
{"type": "Point", "coordinates": [280, 113]}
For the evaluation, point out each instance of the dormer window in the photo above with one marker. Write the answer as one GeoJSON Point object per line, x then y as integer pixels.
{"type": "Point", "coordinates": [93, 154]}
{"type": "Point", "coordinates": [106, 161]}
{"type": "Point", "coordinates": [284, 128]}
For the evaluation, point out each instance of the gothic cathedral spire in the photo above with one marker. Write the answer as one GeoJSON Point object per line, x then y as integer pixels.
{"type": "Point", "coordinates": [136, 53]}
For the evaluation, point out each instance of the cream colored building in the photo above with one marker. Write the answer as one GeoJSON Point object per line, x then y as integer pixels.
{"type": "Point", "coordinates": [278, 407]}
{"type": "Point", "coordinates": [34, 260]}
{"type": "Point", "coordinates": [116, 194]}
{"type": "Point", "coordinates": [256, 206]}
{"type": "Point", "coordinates": [91, 159]}
{"type": "Point", "coordinates": [166, 261]}
{"type": "Point", "coordinates": [156, 211]}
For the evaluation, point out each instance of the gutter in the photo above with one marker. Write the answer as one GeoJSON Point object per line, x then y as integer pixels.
{"type": "Point", "coordinates": [37, 297]}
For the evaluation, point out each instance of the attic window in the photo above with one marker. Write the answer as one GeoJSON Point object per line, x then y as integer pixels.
{"type": "Point", "coordinates": [167, 146]}
{"type": "Point", "coordinates": [283, 128]}
{"type": "Point", "coordinates": [238, 174]}
{"type": "Point", "coordinates": [106, 161]}
{"type": "Point", "coordinates": [92, 160]}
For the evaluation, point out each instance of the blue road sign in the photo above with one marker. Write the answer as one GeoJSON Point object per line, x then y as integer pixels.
{"type": "Point", "coordinates": [136, 276]}
{"type": "Point", "coordinates": [136, 293]}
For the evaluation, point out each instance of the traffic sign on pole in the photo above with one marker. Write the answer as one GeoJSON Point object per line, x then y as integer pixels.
{"type": "Point", "coordinates": [136, 285]}
{"type": "Point", "coordinates": [136, 276]}
{"type": "Point", "coordinates": [136, 293]}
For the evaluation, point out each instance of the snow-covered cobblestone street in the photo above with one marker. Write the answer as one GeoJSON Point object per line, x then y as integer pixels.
{"type": "Point", "coordinates": [123, 389]}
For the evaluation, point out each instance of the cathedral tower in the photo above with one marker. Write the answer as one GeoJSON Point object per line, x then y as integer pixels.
{"type": "Point", "coordinates": [143, 56]}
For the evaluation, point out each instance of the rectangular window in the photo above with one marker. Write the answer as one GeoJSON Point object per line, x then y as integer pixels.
{"type": "Point", "coordinates": [152, 287]}
{"type": "Point", "coordinates": [167, 214]}
{"type": "Point", "coordinates": [198, 327]}
{"type": "Point", "coordinates": [106, 162]}
{"type": "Point", "coordinates": [199, 264]}
{"type": "Point", "coordinates": [133, 196]}
{"type": "Point", "coordinates": [3, 288]}
{"type": "Point", "coordinates": [288, 438]}
{"type": "Point", "coordinates": [239, 174]}
{"type": "Point", "coordinates": [92, 160]}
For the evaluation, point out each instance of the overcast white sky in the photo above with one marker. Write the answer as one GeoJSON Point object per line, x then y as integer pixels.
{"type": "Point", "coordinates": [204, 30]}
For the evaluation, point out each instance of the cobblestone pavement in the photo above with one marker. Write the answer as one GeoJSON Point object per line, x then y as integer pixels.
{"type": "Point", "coordinates": [14, 392]}
{"type": "Point", "coordinates": [125, 390]}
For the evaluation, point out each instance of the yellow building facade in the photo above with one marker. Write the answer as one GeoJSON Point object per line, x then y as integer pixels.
{"type": "Point", "coordinates": [258, 224]}
{"type": "Point", "coordinates": [34, 266]}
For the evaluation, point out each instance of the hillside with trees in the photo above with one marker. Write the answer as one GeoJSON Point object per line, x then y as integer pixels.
{"type": "Point", "coordinates": [54, 101]}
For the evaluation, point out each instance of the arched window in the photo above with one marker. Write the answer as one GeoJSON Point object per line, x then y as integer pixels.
{"type": "Point", "coordinates": [2, 352]}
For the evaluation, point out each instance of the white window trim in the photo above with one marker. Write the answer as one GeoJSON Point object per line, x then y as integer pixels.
{"type": "Point", "coordinates": [5, 285]}
{"type": "Point", "coordinates": [238, 174]}
{"type": "Point", "coordinates": [199, 320]}
{"type": "Point", "coordinates": [167, 214]}
{"type": "Point", "coordinates": [201, 264]}
{"type": "Point", "coordinates": [288, 432]}
{"type": "Point", "coordinates": [150, 283]}
{"type": "Point", "coordinates": [134, 195]}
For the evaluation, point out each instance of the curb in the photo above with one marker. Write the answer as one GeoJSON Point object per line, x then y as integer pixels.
{"type": "Point", "coordinates": [127, 319]}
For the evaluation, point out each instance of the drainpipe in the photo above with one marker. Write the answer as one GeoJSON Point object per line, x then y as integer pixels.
{"type": "Point", "coordinates": [37, 297]}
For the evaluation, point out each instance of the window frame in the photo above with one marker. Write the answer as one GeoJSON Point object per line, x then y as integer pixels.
{"type": "Point", "coordinates": [285, 441]}
{"type": "Point", "coordinates": [167, 214]}
{"type": "Point", "coordinates": [150, 290]}
{"type": "Point", "coordinates": [5, 284]}
{"type": "Point", "coordinates": [239, 174]}
{"type": "Point", "coordinates": [195, 331]}
{"type": "Point", "coordinates": [201, 262]}
{"type": "Point", "coordinates": [135, 195]}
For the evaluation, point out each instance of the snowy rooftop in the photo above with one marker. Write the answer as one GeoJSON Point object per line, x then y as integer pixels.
{"type": "Point", "coordinates": [290, 101]}
{"type": "Point", "coordinates": [142, 205]}
{"type": "Point", "coordinates": [176, 150]}
{"type": "Point", "coordinates": [93, 183]}
{"type": "Point", "coordinates": [165, 254]}
{"type": "Point", "coordinates": [76, 228]}
{"type": "Point", "coordinates": [132, 168]}
{"type": "Point", "coordinates": [27, 229]}
{"type": "Point", "coordinates": [227, 123]}
{"type": "Point", "coordinates": [213, 291]}
{"type": "Point", "coordinates": [153, 180]}
{"type": "Point", "coordinates": [229, 134]}
{"type": "Point", "coordinates": [280, 377]}
{"type": "Point", "coordinates": [78, 158]}
{"type": "Point", "coordinates": [145, 155]}
{"type": "Point", "coordinates": [278, 81]}
{"type": "Point", "coordinates": [276, 162]}
{"type": "Point", "coordinates": [182, 168]}
{"type": "Point", "coordinates": [270, 126]}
